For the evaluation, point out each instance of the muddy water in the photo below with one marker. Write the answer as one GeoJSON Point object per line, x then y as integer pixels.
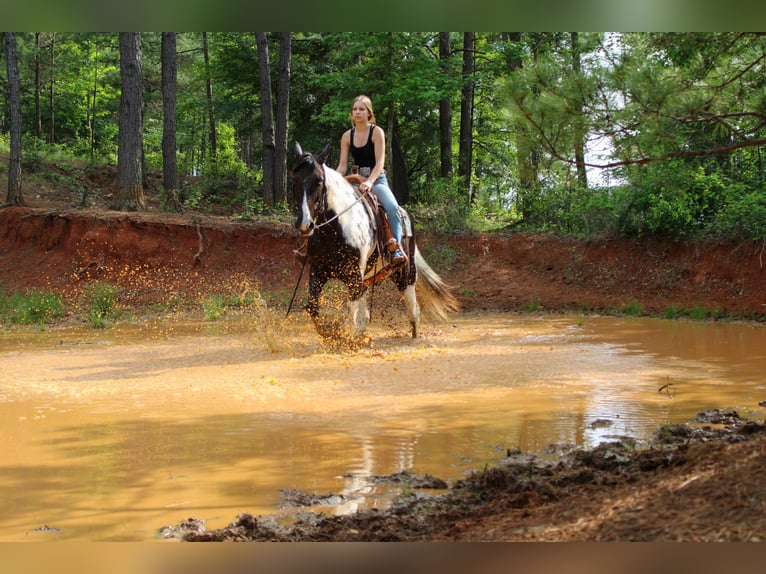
{"type": "Point", "coordinates": [109, 435]}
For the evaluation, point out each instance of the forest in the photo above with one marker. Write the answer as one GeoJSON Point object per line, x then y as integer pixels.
{"type": "Point", "coordinates": [581, 134]}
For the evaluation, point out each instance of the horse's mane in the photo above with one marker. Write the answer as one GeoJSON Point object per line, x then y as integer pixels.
{"type": "Point", "coordinates": [340, 193]}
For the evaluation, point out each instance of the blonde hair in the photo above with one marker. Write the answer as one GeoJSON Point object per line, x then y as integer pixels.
{"type": "Point", "coordinates": [367, 104]}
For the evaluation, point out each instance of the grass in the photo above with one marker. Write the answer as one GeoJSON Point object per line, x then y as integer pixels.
{"type": "Point", "coordinates": [633, 309]}
{"type": "Point", "coordinates": [467, 291]}
{"type": "Point", "coordinates": [532, 305]}
{"type": "Point", "coordinates": [214, 307]}
{"type": "Point", "coordinates": [697, 313]}
{"type": "Point", "coordinates": [101, 304]}
{"type": "Point", "coordinates": [35, 307]}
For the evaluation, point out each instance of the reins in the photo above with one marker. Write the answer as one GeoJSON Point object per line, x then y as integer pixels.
{"type": "Point", "coordinates": [337, 215]}
{"type": "Point", "coordinates": [295, 291]}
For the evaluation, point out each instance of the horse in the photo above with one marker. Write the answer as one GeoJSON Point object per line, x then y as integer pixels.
{"type": "Point", "coordinates": [340, 232]}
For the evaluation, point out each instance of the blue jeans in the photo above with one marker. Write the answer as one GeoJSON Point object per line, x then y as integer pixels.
{"type": "Point", "coordinates": [388, 201]}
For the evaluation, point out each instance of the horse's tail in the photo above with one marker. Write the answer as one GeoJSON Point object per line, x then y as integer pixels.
{"type": "Point", "coordinates": [434, 295]}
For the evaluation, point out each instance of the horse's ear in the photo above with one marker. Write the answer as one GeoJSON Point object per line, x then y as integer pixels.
{"type": "Point", "coordinates": [298, 150]}
{"type": "Point", "coordinates": [323, 154]}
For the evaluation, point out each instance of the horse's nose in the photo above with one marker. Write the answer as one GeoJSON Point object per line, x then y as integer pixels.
{"type": "Point", "coordinates": [304, 228]}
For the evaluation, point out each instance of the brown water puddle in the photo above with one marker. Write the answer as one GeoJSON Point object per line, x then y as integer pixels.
{"type": "Point", "coordinates": [109, 435]}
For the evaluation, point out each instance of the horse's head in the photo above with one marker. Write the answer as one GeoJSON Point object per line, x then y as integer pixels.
{"type": "Point", "coordinates": [308, 187]}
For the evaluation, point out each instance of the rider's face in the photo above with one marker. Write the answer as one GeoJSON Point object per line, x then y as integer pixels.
{"type": "Point", "coordinates": [359, 112]}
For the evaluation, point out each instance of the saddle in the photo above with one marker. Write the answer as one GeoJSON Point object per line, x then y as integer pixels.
{"type": "Point", "coordinates": [385, 241]}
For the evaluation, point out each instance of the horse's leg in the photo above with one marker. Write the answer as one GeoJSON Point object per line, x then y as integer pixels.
{"type": "Point", "coordinates": [404, 279]}
{"type": "Point", "coordinates": [316, 283]}
{"type": "Point", "coordinates": [413, 309]}
{"type": "Point", "coordinates": [360, 314]}
{"type": "Point", "coordinates": [358, 309]}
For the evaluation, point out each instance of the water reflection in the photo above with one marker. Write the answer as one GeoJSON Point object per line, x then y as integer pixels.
{"type": "Point", "coordinates": [109, 436]}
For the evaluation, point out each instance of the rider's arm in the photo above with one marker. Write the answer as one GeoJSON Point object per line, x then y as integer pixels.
{"type": "Point", "coordinates": [345, 142]}
{"type": "Point", "coordinates": [379, 139]}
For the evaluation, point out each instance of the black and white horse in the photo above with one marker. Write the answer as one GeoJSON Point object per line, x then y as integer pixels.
{"type": "Point", "coordinates": [341, 244]}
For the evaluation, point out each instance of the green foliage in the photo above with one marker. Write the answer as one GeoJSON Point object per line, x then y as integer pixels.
{"type": "Point", "coordinates": [101, 304]}
{"type": "Point", "coordinates": [672, 199]}
{"type": "Point", "coordinates": [487, 218]}
{"type": "Point", "coordinates": [441, 256]}
{"type": "Point", "coordinates": [215, 306]}
{"type": "Point", "coordinates": [680, 114]}
{"type": "Point", "coordinates": [467, 291]}
{"type": "Point", "coordinates": [532, 305]}
{"type": "Point", "coordinates": [695, 313]}
{"type": "Point", "coordinates": [672, 312]}
{"type": "Point", "coordinates": [743, 217]}
{"type": "Point", "coordinates": [36, 307]}
{"type": "Point", "coordinates": [634, 308]}
{"type": "Point", "coordinates": [666, 200]}
{"type": "Point", "coordinates": [441, 206]}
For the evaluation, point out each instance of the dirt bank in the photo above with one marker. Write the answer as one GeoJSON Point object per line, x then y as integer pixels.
{"type": "Point", "coordinates": [155, 256]}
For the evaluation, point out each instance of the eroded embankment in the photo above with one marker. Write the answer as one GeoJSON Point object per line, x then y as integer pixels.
{"type": "Point", "coordinates": [150, 256]}
{"type": "Point", "coordinates": [154, 255]}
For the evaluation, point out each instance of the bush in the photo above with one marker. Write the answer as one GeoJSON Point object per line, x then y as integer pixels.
{"type": "Point", "coordinates": [101, 303]}
{"type": "Point", "coordinates": [216, 306]}
{"type": "Point", "coordinates": [36, 307]}
{"type": "Point", "coordinates": [743, 218]}
{"type": "Point", "coordinates": [440, 206]}
{"type": "Point", "coordinates": [674, 200]}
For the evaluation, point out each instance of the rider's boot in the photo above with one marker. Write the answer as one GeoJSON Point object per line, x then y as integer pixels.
{"type": "Point", "coordinates": [398, 258]}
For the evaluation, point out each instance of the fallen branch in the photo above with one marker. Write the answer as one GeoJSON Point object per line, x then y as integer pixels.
{"type": "Point", "coordinates": [197, 255]}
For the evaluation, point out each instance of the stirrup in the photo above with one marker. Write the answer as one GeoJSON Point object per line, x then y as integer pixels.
{"type": "Point", "coordinates": [398, 258]}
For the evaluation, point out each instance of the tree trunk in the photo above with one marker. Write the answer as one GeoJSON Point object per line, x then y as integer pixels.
{"type": "Point", "coordinates": [445, 109]}
{"type": "Point", "coordinates": [579, 143]}
{"type": "Point", "coordinates": [14, 98]}
{"type": "Point", "coordinates": [52, 91]}
{"type": "Point", "coordinates": [267, 120]}
{"type": "Point", "coordinates": [390, 165]}
{"type": "Point", "coordinates": [465, 155]}
{"type": "Point", "coordinates": [38, 89]}
{"type": "Point", "coordinates": [169, 77]}
{"type": "Point", "coordinates": [401, 180]}
{"type": "Point", "coordinates": [283, 112]}
{"type": "Point", "coordinates": [130, 192]}
{"type": "Point", "coordinates": [92, 106]}
{"type": "Point", "coordinates": [210, 108]}
{"type": "Point", "coordinates": [527, 154]}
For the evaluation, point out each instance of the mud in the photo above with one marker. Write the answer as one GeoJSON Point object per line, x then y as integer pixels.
{"type": "Point", "coordinates": [667, 492]}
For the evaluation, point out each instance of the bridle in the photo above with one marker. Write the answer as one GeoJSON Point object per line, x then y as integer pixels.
{"type": "Point", "coordinates": [321, 207]}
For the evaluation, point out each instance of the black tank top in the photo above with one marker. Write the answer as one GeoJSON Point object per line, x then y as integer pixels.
{"type": "Point", "coordinates": [364, 156]}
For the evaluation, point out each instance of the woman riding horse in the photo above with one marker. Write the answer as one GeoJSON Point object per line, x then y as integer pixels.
{"type": "Point", "coordinates": [340, 241]}
{"type": "Point", "coordinates": [367, 144]}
